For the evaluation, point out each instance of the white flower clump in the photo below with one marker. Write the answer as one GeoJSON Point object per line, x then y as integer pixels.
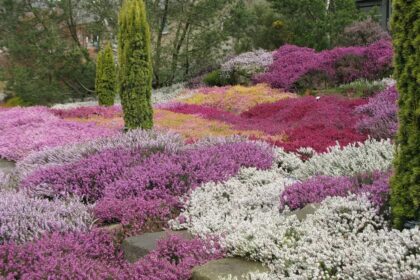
{"type": "Point", "coordinates": [344, 239]}
{"type": "Point", "coordinates": [159, 95]}
{"type": "Point", "coordinates": [248, 63]}
{"type": "Point", "coordinates": [353, 159]}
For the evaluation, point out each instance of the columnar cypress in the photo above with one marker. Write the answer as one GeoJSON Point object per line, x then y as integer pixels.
{"type": "Point", "coordinates": [135, 60]}
{"type": "Point", "coordinates": [106, 77]}
{"type": "Point", "coordinates": [405, 195]}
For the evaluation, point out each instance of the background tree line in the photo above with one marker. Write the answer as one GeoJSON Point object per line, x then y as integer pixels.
{"type": "Point", "coordinates": [48, 61]}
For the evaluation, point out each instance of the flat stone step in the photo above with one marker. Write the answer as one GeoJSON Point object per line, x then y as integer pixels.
{"type": "Point", "coordinates": [6, 165]}
{"type": "Point", "coordinates": [236, 267]}
{"type": "Point", "coordinates": [136, 247]}
{"type": "Point", "coordinates": [309, 209]}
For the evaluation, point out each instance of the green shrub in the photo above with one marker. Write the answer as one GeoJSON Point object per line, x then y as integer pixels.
{"type": "Point", "coordinates": [135, 58]}
{"type": "Point", "coordinates": [215, 78]}
{"type": "Point", "coordinates": [405, 195]}
{"type": "Point", "coordinates": [14, 102]}
{"type": "Point", "coordinates": [106, 80]}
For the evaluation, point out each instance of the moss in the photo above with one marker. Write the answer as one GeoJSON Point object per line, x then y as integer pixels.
{"type": "Point", "coordinates": [135, 72]}
{"type": "Point", "coordinates": [405, 195]}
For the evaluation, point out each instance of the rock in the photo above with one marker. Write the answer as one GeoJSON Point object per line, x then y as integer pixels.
{"type": "Point", "coordinates": [309, 209]}
{"type": "Point", "coordinates": [224, 267]}
{"type": "Point", "coordinates": [6, 165]}
{"type": "Point", "coordinates": [136, 247]}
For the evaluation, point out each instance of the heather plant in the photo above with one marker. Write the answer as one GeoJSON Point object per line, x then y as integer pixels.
{"type": "Point", "coordinates": [297, 68]}
{"type": "Point", "coordinates": [88, 112]}
{"type": "Point", "coordinates": [241, 68]}
{"type": "Point", "coordinates": [380, 115]}
{"type": "Point", "coordinates": [24, 218]}
{"type": "Point", "coordinates": [292, 123]}
{"type": "Point", "coordinates": [163, 178]}
{"type": "Point", "coordinates": [316, 189]}
{"type": "Point", "coordinates": [106, 77]}
{"type": "Point", "coordinates": [136, 139]}
{"type": "Point", "coordinates": [362, 33]}
{"type": "Point", "coordinates": [95, 255]}
{"type": "Point", "coordinates": [135, 62]}
{"type": "Point", "coordinates": [405, 199]}
{"type": "Point", "coordinates": [353, 159]}
{"type": "Point", "coordinates": [26, 130]}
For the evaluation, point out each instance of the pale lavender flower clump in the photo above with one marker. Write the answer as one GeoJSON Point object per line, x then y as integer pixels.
{"type": "Point", "coordinates": [380, 115]}
{"type": "Point", "coordinates": [25, 130]}
{"type": "Point", "coordinates": [165, 141]}
{"type": "Point", "coordinates": [23, 218]}
{"type": "Point", "coordinates": [248, 63]}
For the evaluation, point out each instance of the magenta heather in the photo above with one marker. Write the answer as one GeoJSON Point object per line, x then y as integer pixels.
{"type": "Point", "coordinates": [380, 114]}
{"type": "Point", "coordinates": [88, 111]}
{"type": "Point", "coordinates": [339, 65]}
{"type": "Point", "coordinates": [316, 189]}
{"type": "Point", "coordinates": [96, 256]}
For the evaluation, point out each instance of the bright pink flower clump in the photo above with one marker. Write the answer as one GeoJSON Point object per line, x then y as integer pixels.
{"type": "Point", "coordinates": [88, 111]}
{"type": "Point", "coordinates": [25, 130]}
{"type": "Point", "coordinates": [339, 65]}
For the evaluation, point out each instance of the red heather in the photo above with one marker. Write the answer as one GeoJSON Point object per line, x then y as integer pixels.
{"type": "Point", "coordinates": [306, 121]}
{"type": "Point", "coordinates": [88, 111]}
{"type": "Point", "coordinates": [339, 65]}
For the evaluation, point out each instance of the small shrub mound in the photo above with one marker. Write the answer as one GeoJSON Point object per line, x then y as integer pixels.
{"type": "Point", "coordinates": [363, 33]}
{"type": "Point", "coordinates": [95, 256]}
{"type": "Point", "coordinates": [318, 188]}
{"type": "Point", "coordinates": [297, 68]}
{"type": "Point", "coordinates": [380, 115]}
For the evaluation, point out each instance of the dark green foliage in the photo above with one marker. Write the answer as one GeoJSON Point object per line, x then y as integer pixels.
{"type": "Point", "coordinates": [46, 63]}
{"type": "Point", "coordinates": [313, 24]}
{"type": "Point", "coordinates": [135, 58]}
{"type": "Point", "coordinates": [405, 195]}
{"type": "Point", "coordinates": [215, 78]}
{"type": "Point", "coordinates": [106, 79]}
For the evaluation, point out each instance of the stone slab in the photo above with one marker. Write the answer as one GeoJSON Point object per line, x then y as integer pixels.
{"type": "Point", "coordinates": [136, 247]}
{"type": "Point", "coordinates": [237, 267]}
{"type": "Point", "coordinates": [301, 214]}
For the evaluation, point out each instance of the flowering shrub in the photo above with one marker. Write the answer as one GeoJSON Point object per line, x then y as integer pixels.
{"type": "Point", "coordinates": [292, 123]}
{"type": "Point", "coordinates": [89, 111]}
{"type": "Point", "coordinates": [316, 189]}
{"type": "Point", "coordinates": [95, 256]}
{"type": "Point", "coordinates": [362, 33]}
{"type": "Point", "coordinates": [135, 139]}
{"type": "Point", "coordinates": [23, 218]}
{"type": "Point", "coordinates": [174, 258]}
{"type": "Point", "coordinates": [24, 130]}
{"type": "Point", "coordinates": [380, 114]}
{"type": "Point", "coordinates": [353, 159]}
{"type": "Point", "coordinates": [163, 178]}
{"type": "Point", "coordinates": [296, 67]}
{"type": "Point", "coordinates": [241, 68]}
{"type": "Point", "coordinates": [86, 178]}
{"type": "Point", "coordinates": [236, 99]}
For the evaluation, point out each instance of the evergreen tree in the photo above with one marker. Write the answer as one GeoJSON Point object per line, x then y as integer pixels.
{"type": "Point", "coordinates": [405, 195]}
{"type": "Point", "coordinates": [135, 59]}
{"type": "Point", "coordinates": [106, 80]}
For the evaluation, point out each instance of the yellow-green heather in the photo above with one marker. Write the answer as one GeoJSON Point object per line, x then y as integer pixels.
{"type": "Point", "coordinates": [405, 196]}
{"type": "Point", "coordinates": [135, 60]}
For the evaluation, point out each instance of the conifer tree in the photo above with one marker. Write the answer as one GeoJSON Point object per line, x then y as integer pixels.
{"type": "Point", "coordinates": [405, 185]}
{"type": "Point", "coordinates": [135, 60]}
{"type": "Point", "coordinates": [106, 79]}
